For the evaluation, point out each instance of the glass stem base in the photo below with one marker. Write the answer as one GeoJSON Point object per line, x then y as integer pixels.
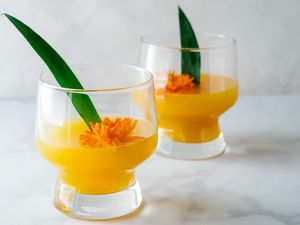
{"type": "Point", "coordinates": [191, 151]}
{"type": "Point", "coordinates": [97, 207]}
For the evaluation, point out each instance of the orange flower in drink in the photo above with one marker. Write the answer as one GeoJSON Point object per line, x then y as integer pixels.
{"type": "Point", "coordinates": [179, 83]}
{"type": "Point", "coordinates": [112, 132]}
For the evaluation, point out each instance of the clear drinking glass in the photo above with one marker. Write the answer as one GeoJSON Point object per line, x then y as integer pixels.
{"type": "Point", "coordinates": [189, 121]}
{"type": "Point", "coordinates": [96, 177]}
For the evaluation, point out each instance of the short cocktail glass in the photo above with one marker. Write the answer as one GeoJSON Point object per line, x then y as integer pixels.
{"type": "Point", "coordinates": [97, 167]}
{"type": "Point", "coordinates": [189, 121]}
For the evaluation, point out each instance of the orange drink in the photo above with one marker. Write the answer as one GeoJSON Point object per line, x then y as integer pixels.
{"type": "Point", "coordinates": [194, 86]}
{"type": "Point", "coordinates": [97, 155]}
{"type": "Point", "coordinates": [96, 170]}
{"type": "Point", "coordinates": [193, 117]}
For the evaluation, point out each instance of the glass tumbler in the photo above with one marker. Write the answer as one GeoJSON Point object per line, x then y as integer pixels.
{"type": "Point", "coordinates": [188, 119]}
{"type": "Point", "coordinates": [97, 161]}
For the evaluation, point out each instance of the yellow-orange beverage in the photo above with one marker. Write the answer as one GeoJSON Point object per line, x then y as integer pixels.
{"type": "Point", "coordinates": [192, 117]}
{"type": "Point", "coordinates": [99, 170]}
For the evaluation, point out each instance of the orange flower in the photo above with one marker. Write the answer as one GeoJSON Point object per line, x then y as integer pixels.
{"type": "Point", "coordinates": [179, 82]}
{"type": "Point", "coordinates": [109, 132]}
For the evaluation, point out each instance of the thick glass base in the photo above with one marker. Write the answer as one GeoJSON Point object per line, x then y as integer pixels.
{"type": "Point", "coordinates": [180, 150]}
{"type": "Point", "coordinates": [97, 207]}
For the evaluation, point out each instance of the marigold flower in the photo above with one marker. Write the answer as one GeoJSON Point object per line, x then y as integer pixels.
{"type": "Point", "coordinates": [179, 82]}
{"type": "Point", "coordinates": [111, 132]}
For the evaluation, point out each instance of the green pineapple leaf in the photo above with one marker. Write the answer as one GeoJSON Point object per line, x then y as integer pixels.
{"type": "Point", "coordinates": [60, 70]}
{"type": "Point", "coordinates": [190, 61]}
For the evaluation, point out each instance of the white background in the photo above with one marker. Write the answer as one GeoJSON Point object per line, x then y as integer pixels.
{"type": "Point", "coordinates": [101, 31]}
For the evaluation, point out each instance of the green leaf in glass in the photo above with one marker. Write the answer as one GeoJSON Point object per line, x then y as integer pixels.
{"type": "Point", "coordinates": [190, 61]}
{"type": "Point", "coordinates": [60, 70]}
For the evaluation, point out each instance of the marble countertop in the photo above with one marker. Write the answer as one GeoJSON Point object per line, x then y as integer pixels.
{"type": "Point", "coordinates": [255, 182]}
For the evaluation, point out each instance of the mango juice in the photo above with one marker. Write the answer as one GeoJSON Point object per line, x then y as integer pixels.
{"type": "Point", "coordinates": [99, 170]}
{"type": "Point", "coordinates": [192, 117]}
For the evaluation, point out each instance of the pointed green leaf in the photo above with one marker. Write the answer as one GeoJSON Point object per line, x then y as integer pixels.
{"type": "Point", "coordinates": [190, 61]}
{"type": "Point", "coordinates": [60, 70]}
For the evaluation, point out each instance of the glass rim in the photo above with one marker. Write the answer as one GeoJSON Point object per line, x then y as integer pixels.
{"type": "Point", "coordinates": [174, 33]}
{"type": "Point", "coordinates": [98, 90]}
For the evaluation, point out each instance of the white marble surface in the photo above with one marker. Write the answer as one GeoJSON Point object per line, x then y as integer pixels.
{"type": "Point", "coordinates": [99, 31]}
{"type": "Point", "coordinates": [255, 182]}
